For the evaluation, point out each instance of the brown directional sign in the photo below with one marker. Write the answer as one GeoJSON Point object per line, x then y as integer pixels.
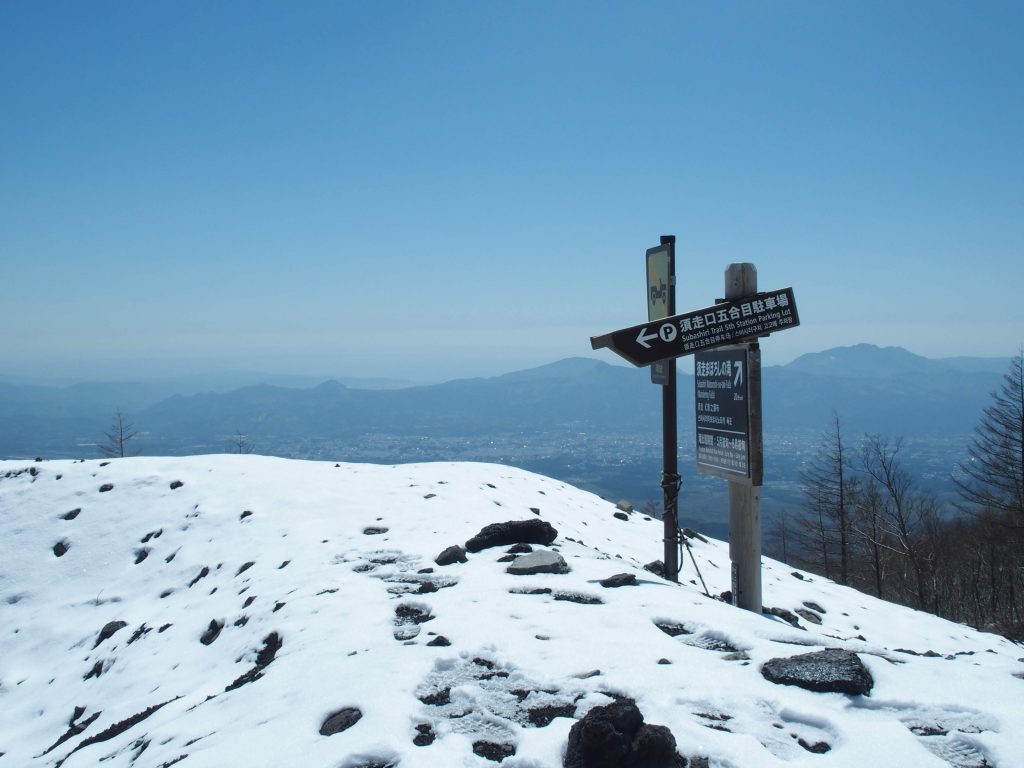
{"type": "Point", "coordinates": [718, 326]}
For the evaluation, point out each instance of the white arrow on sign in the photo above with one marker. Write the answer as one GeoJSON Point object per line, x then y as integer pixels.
{"type": "Point", "coordinates": [644, 337]}
{"type": "Point", "coordinates": [738, 379]}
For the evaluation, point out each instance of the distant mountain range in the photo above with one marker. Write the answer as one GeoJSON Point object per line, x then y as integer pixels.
{"type": "Point", "coordinates": [872, 389]}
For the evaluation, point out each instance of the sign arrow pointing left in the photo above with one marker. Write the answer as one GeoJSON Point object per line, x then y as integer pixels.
{"type": "Point", "coordinates": [643, 337]}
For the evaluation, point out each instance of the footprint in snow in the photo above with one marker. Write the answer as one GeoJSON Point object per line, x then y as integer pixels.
{"type": "Point", "coordinates": [945, 731]}
{"type": "Point", "coordinates": [785, 733]}
{"type": "Point", "coordinates": [480, 699]}
{"type": "Point", "coordinates": [408, 617]}
{"type": "Point", "coordinates": [399, 569]}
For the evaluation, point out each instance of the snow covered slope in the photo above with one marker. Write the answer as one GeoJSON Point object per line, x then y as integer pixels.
{"type": "Point", "coordinates": [222, 611]}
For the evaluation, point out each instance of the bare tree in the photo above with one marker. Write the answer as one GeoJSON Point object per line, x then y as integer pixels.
{"type": "Point", "coordinates": [825, 524]}
{"type": "Point", "coordinates": [907, 518]}
{"type": "Point", "coordinates": [121, 432]}
{"type": "Point", "coordinates": [781, 533]}
{"type": "Point", "coordinates": [870, 535]}
{"type": "Point", "coordinates": [240, 443]}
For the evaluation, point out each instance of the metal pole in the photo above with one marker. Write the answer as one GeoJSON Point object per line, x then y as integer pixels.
{"type": "Point", "coordinates": [745, 498]}
{"type": "Point", "coordinates": [670, 474]}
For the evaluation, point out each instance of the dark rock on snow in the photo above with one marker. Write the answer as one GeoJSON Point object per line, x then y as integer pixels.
{"type": "Point", "coordinates": [657, 567]}
{"type": "Point", "coordinates": [75, 727]}
{"type": "Point", "coordinates": [139, 633]}
{"type": "Point", "coordinates": [201, 575]}
{"type": "Point", "coordinates": [543, 561]}
{"type": "Point", "coordinates": [96, 671]}
{"type": "Point", "coordinates": [60, 548]}
{"type": "Point", "coordinates": [437, 698]}
{"type": "Point", "coordinates": [424, 735]}
{"type": "Point", "coordinates": [578, 597]}
{"type": "Point", "coordinates": [671, 629]}
{"type": "Point", "coordinates": [783, 614]}
{"type": "Point", "coordinates": [212, 632]}
{"type": "Point", "coordinates": [620, 515]}
{"type": "Point", "coordinates": [492, 751]}
{"type": "Point", "coordinates": [109, 629]}
{"type": "Point", "coordinates": [411, 614]}
{"type": "Point", "coordinates": [809, 615]}
{"type": "Point", "coordinates": [542, 716]}
{"type": "Point", "coordinates": [119, 727]}
{"type": "Point", "coordinates": [615, 736]}
{"type": "Point", "coordinates": [619, 580]}
{"type": "Point", "coordinates": [512, 532]}
{"type": "Point", "coordinates": [271, 645]}
{"type": "Point", "coordinates": [818, 747]}
{"type": "Point", "coordinates": [829, 671]}
{"type": "Point", "coordinates": [340, 721]}
{"type": "Point", "coordinates": [453, 554]}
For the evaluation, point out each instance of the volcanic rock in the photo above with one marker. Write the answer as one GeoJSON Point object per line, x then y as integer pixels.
{"type": "Point", "coordinates": [615, 736]}
{"type": "Point", "coordinates": [512, 532]}
{"type": "Point", "coordinates": [453, 554]}
{"type": "Point", "coordinates": [830, 671]}
{"type": "Point", "coordinates": [542, 561]}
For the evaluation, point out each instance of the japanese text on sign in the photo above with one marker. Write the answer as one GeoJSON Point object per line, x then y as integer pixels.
{"type": "Point", "coordinates": [724, 324]}
{"type": "Point", "coordinates": [723, 440]}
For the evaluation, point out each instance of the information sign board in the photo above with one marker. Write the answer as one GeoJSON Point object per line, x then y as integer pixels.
{"type": "Point", "coordinates": [727, 389]}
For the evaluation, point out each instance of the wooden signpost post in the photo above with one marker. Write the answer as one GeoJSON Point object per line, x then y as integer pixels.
{"type": "Point", "coordinates": [727, 392]}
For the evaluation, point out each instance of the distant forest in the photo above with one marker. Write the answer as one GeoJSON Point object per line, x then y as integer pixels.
{"type": "Point", "coordinates": [865, 523]}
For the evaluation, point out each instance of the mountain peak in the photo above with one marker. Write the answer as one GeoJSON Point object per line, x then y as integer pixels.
{"type": "Point", "coordinates": [567, 368]}
{"type": "Point", "coordinates": [864, 360]}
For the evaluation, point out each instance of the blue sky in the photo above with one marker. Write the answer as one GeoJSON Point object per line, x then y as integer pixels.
{"type": "Point", "coordinates": [439, 189]}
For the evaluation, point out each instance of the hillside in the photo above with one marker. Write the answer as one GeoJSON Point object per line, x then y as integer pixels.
{"type": "Point", "coordinates": [223, 611]}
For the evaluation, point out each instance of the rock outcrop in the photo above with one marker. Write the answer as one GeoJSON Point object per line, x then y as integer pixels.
{"type": "Point", "coordinates": [512, 532]}
{"type": "Point", "coordinates": [830, 671]}
{"type": "Point", "coordinates": [615, 736]}
{"type": "Point", "coordinates": [542, 561]}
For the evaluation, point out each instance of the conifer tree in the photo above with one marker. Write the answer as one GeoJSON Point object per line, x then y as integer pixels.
{"type": "Point", "coordinates": [992, 477]}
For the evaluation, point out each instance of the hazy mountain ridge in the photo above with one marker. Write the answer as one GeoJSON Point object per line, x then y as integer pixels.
{"type": "Point", "coordinates": [872, 389]}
